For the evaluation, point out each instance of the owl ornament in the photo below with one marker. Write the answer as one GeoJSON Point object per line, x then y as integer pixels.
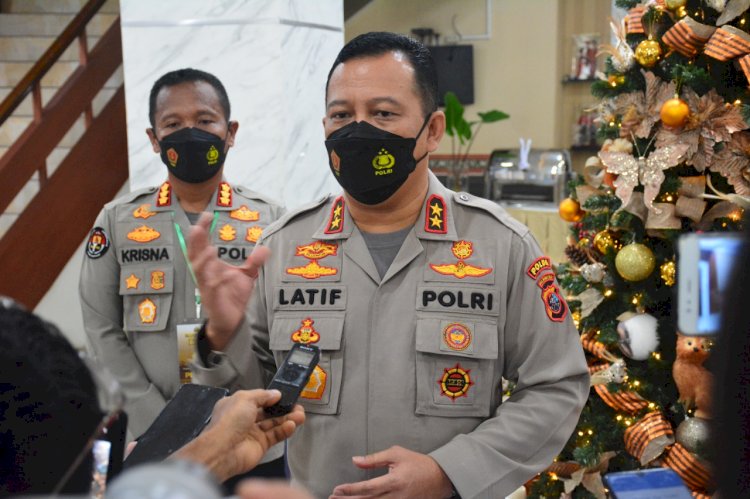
{"type": "Point", "coordinates": [693, 381]}
{"type": "Point", "coordinates": [646, 171]}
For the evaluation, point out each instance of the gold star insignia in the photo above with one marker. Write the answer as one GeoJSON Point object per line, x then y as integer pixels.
{"type": "Point", "coordinates": [436, 221]}
{"type": "Point", "coordinates": [132, 282]}
{"type": "Point", "coordinates": [337, 211]}
{"type": "Point", "coordinates": [436, 209]}
{"type": "Point", "coordinates": [335, 223]}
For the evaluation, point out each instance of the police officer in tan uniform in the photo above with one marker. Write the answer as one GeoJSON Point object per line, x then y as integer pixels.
{"type": "Point", "coordinates": [139, 298]}
{"type": "Point", "coordinates": [420, 299]}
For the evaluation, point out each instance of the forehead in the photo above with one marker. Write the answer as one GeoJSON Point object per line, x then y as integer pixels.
{"type": "Point", "coordinates": [388, 74]}
{"type": "Point", "coordinates": [188, 95]}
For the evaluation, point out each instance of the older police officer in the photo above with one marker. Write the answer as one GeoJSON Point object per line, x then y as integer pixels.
{"type": "Point", "coordinates": [420, 299]}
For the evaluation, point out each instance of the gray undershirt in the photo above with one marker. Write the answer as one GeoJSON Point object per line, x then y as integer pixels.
{"type": "Point", "coordinates": [193, 217]}
{"type": "Point", "coordinates": [384, 248]}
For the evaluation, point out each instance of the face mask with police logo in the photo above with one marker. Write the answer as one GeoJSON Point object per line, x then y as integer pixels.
{"type": "Point", "coordinates": [192, 155]}
{"type": "Point", "coordinates": [369, 163]}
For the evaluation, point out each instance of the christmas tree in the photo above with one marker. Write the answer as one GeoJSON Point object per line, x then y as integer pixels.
{"type": "Point", "coordinates": [673, 113]}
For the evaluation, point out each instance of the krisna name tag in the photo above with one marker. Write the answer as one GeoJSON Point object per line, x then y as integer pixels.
{"type": "Point", "coordinates": [187, 335]}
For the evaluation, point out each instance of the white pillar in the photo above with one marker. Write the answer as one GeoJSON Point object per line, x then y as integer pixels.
{"type": "Point", "coordinates": [272, 56]}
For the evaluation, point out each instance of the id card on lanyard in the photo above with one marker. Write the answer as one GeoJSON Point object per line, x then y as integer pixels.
{"type": "Point", "coordinates": [187, 330]}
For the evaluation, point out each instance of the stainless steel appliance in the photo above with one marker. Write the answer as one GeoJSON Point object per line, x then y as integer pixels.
{"type": "Point", "coordinates": [543, 178]}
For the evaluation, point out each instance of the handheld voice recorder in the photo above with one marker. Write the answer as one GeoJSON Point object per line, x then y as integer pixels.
{"type": "Point", "coordinates": [292, 376]}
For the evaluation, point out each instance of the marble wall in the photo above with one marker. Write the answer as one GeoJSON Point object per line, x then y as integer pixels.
{"type": "Point", "coordinates": [272, 56]}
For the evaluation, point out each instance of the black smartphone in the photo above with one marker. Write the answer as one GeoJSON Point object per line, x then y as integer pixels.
{"type": "Point", "coordinates": [182, 420]}
{"type": "Point", "coordinates": [292, 376]}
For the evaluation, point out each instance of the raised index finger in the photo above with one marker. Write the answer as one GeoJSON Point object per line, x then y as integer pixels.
{"type": "Point", "coordinates": [198, 240]}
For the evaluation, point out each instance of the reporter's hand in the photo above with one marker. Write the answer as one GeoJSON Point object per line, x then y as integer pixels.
{"type": "Point", "coordinates": [269, 489]}
{"type": "Point", "coordinates": [239, 433]}
{"type": "Point", "coordinates": [225, 289]}
{"type": "Point", "coordinates": [410, 475]}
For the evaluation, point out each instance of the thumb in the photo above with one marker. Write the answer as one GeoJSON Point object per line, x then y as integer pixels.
{"type": "Point", "coordinates": [376, 460]}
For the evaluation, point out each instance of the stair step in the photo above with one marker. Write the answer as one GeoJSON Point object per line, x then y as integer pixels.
{"type": "Point", "coordinates": [54, 6]}
{"type": "Point", "coordinates": [12, 72]}
{"type": "Point", "coordinates": [53, 160]}
{"type": "Point", "coordinates": [5, 222]}
{"type": "Point", "coordinates": [31, 48]}
{"type": "Point", "coordinates": [49, 24]}
{"type": "Point", "coordinates": [14, 127]}
{"type": "Point", "coordinates": [25, 110]}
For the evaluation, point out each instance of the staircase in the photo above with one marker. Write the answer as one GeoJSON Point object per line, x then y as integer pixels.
{"type": "Point", "coordinates": [62, 146]}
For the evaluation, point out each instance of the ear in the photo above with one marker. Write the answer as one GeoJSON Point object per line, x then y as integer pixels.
{"type": "Point", "coordinates": [233, 126]}
{"type": "Point", "coordinates": [435, 130]}
{"type": "Point", "coordinates": [154, 142]}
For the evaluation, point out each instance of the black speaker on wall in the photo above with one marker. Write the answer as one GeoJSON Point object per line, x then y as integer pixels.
{"type": "Point", "coordinates": [455, 69]}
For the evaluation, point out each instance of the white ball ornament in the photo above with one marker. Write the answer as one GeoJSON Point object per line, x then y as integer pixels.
{"type": "Point", "coordinates": [638, 337]}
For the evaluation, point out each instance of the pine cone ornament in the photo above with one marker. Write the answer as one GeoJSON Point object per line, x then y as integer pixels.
{"type": "Point", "coordinates": [576, 255]}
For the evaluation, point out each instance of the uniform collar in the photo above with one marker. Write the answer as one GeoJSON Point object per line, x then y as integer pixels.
{"type": "Point", "coordinates": [435, 221]}
{"type": "Point", "coordinates": [221, 200]}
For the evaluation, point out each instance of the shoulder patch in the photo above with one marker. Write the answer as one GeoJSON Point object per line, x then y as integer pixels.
{"type": "Point", "coordinates": [336, 218]}
{"type": "Point", "coordinates": [436, 215]}
{"type": "Point", "coordinates": [291, 215]}
{"type": "Point", "coordinates": [493, 209]}
{"type": "Point", "coordinates": [537, 266]}
{"type": "Point", "coordinates": [98, 243]}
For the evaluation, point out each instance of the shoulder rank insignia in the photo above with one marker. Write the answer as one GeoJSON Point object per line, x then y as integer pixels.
{"type": "Point", "coordinates": [143, 211]}
{"type": "Point", "coordinates": [314, 252]}
{"type": "Point", "coordinates": [157, 280]}
{"type": "Point", "coordinates": [132, 282]}
{"type": "Point", "coordinates": [164, 197]}
{"type": "Point", "coordinates": [253, 233]}
{"type": "Point", "coordinates": [336, 219]}
{"type": "Point", "coordinates": [143, 234]}
{"type": "Point", "coordinates": [455, 382]}
{"type": "Point", "coordinates": [224, 196]}
{"type": "Point", "coordinates": [461, 250]}
{"type": "Point", "coordinates": [227, 233]}
{"type": "Point", "coordinates": [537, 266]}
{"type": "Point", "coordinates": [315, 388]}
{"type": "Point", "coordinates": [306, 333]}
{"type": "Point", "coordinates": [98, 243]}
{"type": "Point", "coordinates": [457, 336]}
{"type": "Point", "coordinates": [147, 311]}
{"type": "Point", "coordinates": [436, 215]}
{"type": "Point", "coordinates": [244, 214]}
{"type": "Point", "coordinates": [554, 304]}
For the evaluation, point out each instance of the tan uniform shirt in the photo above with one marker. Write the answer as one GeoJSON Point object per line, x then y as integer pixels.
{"type": "Point", "coordinates": [136, 288]}
{"type": "Point", "coordinates": [416, 358]}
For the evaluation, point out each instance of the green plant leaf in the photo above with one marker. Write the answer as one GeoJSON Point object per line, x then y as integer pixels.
{"type": "Point", "coordinates": [493, 116]}
{"type": "Point", "coordinates": [453, 113]}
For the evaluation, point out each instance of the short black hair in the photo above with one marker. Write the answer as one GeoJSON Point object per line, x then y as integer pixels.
{"type": "Point", "coordinates": [48, 406]}
{"type": "Point", "coordinates": [187, 75]}
{"type": "Point", "coordinates": [381, 42]}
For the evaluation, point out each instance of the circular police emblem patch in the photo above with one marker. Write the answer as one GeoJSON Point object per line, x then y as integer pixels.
{"type": "Point", "coordinates": [455, 382]}
{"type": "Point", "coordinates": [98, 243]}
{"type": "Point", "coordinates": [457, 336]}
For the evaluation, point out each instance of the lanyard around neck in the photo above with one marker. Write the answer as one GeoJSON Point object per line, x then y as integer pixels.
{"type": "Point", "coordinates": [183, 247]}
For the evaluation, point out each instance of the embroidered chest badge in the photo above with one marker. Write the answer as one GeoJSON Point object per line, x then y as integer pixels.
{"type": "Point", "coordinates": [132, 282]}
{"type": "Point", "coordinates": [314, 252]}
{"type": "Point", "coordinates": [147, 311]}
{"type": "Point", "coordinates": [143, 211]}
{"type": "Point", "coordinates": [244, 214]}
{"type": "Point", "coordinates": [457, 336]}
{"type": "Point", "coordinates": [254, 233]}
{"type": "Point", "coordinates": [461, 250]}
{"type": "Point", "coordinates": [157, 280]}
{"type": "Point", "coordinates": [227, 233]}
{"type": "Point", "coordinates": [554, 304]}
{"type": "Point", "coordinates": [436, 215]}
{"type": "Point", "coordinates": [306, 333]}
{"type": "Point", "coordinates": [315, 388]}
{"type": "Point", "coordinates": [455, 382]}
{"type": "Point", "coordinates": [164, 197]}
{"type": "Point", "coordinates": [336, 218]}
{"type": "Point", "coordinates": [143, 234]}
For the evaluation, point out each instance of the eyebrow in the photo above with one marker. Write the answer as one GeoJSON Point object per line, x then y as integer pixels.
{"type": "Point", "coordinates": [376, 100]}
{"type": "Point", "coordinates": [201, 112]}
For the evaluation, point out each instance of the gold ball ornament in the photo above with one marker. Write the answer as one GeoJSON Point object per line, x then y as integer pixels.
{"type": "Point", "coordinates": [647, 53]}
{"type": "Point", "coordinates": [603, 241]}
{"type": "Point", "coordinates": [570, 210]}
{"type": "Point", "coordinates": [674, 112]}
{"type": "Point", "coordinates": [667, 271]}
{"type": "Point", "coordinates": [675, 4]}
{"type": "Point", "coordinates": [635, 262]}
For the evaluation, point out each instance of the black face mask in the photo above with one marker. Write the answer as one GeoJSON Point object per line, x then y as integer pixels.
{"type": "Point", "coordinates": [192, 155]}
{"type": "Point", "coordinates": [369, 163]}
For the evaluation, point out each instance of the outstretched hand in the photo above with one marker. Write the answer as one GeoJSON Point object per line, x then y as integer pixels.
{"type": "Point", "coordinates": [225, 289]}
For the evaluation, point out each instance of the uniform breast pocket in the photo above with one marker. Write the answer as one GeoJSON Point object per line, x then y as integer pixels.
{"type": "Point", "coordinates": [457, 371]}
{"type": "Point", "coordinates": [324, 330]}
{"type": "Point", "coordinates": [146, 297]}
